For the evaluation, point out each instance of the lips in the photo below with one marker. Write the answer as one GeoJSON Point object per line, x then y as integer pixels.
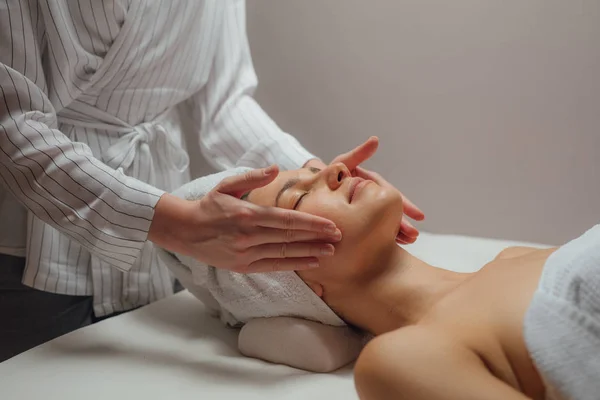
{"type": "Point", "coordinates": [353, 184]}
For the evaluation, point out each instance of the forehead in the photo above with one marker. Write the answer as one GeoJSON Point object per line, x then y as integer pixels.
{"type": "Point", "coordinates": [265, 196]}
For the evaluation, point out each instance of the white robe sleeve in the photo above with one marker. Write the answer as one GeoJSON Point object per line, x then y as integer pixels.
{"type": "Point", "coordinates": [58, 180]}
{"type": "Point", "coordinates": [234, 129]}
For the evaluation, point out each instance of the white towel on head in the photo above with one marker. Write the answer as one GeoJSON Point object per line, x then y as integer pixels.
{"type": "Point", "coordinates": [242, 297]}
{"type": "Point", "coordinates": [277, 294]}
{"type": "Point", "coordinates": [316, 339]}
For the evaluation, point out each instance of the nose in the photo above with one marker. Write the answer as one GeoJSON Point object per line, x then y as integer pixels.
{"type": "Point", "coordinates": [335, 174]}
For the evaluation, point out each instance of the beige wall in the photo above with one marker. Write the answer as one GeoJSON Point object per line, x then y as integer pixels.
{"type": "Point", "coordinates": [488, 111]}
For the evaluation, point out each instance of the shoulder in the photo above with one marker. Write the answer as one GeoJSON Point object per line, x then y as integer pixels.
{"type": "Point", "coordinates": [411, 345]}
{"type": "Point", "coordinates": [514, 251]}
{"type": "Point", "coordinates": [421, 363]}
{"type": "Point", "coordinates": [424, 364]}
{"type": "Point", "coordinates": [394, 361]}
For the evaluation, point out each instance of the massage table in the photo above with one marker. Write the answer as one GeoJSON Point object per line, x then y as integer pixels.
{"type": "Point", "coordinates": [173, 349]}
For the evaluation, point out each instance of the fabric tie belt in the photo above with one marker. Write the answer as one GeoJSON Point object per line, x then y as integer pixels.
{"type": "Point", "coordinates": [122, 153]}
{"type": "Point", "coordinates": [136, 139]}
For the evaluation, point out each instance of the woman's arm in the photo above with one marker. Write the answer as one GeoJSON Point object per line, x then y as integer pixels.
{"type": "Point", "coordinates": [417, 363]}
{"type": "Point", "coordinates": [58, 180]}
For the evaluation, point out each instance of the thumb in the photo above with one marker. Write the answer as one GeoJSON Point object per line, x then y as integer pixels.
{"type": "Point", "coordinates": [239, 185]}
{"type": "Point", "coordinates": [359, 154]}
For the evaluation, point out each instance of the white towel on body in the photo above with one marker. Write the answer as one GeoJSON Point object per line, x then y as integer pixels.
{"type": "Point", "coordinates": [562, 324]}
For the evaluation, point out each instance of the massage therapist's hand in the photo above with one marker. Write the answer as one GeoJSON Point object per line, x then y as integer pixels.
{"type": "Point", "coordinates": [226, 232]}
{"type": "Point", "coordinates": [407, 233]}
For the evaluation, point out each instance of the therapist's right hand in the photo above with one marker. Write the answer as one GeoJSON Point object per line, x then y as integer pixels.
{"type": "Point", "coordinates": [226, 232]}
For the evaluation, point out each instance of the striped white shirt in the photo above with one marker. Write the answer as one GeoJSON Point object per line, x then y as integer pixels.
{"type": "Point", "coordinates": [90, 135]}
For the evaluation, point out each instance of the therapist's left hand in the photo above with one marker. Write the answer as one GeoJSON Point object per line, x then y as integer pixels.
{"type": "Point", "coordinates": [407, 233]}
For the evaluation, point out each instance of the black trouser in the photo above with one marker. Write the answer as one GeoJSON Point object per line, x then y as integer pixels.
{"type": "Point", "coordinates": [30, 317]}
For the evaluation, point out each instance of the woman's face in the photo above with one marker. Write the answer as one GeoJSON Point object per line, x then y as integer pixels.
{"type": "Point", "coordinates": [366, 213]}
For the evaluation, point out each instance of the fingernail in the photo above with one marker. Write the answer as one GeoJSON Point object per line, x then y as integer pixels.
{"type": "Point", "coordinates": [337, 235]}
{"type": "Point", "coordinates": [313, 264]}
{"type": "Point", "coordinates": [330, 229]}
{"type": "Point", "coordinates": [327, 250]}
{"type": "Point", "coordinates": [268, 171]}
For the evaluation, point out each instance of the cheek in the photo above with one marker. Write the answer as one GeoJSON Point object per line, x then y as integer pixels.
{"type": "Point", "coordinates": [371, 222]}
{"type": "Point", "coordinates": [351, 222]}
{"type": "Point", "coordinates": [382, 210]}
{"type": "Point", "coordinates": [332, 208]}
{"type": "Point", "coordinates": [365, 228]}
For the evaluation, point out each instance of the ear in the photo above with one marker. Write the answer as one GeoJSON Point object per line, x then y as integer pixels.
{"type": "Point", "coordinates": [316, 287]}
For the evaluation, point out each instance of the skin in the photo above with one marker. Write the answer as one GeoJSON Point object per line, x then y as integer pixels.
{"type": "Point", "coordinates": [430, 333]}
{"type": "Point", "coordinates": [223, 231]}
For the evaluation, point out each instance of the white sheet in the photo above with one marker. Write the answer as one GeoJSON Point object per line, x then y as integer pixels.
{"type": "Point", "coordinates": [171, 349]}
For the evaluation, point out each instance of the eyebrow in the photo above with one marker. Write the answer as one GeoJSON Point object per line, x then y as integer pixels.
{"type": "Point", "coordinates": [285, 187]}
{"type": "Point", "coordinates": [290, 183]}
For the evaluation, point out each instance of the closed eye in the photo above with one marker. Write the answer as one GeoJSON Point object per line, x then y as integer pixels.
{"type": "Point", "coordinates": [299, 200]}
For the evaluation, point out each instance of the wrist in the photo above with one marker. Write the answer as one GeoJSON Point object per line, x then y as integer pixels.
{"type": "Point", "coordinates": [172, 216]}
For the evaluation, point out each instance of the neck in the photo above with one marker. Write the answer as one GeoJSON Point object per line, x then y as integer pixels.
{"type": "Point", "coordinates": [400, 293]}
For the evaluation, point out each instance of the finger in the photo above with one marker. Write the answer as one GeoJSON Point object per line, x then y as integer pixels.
{"type": "Point", "coordinates": [411, 210]}
{"type": "Point", "coordinates": [282, 264]}
{"type": "Point", "coordinates": [403, 239]}
{"type": "Point", "coordinates": [274, 217]}
{"type": "Point", "coordinates": [261, 235]}
{"type": "Point", "coordinates": [239, 185]}
{"type": "Point", "coordinates": [291, 250]}
{"type": "Point", "coordinates": [359, 154]}
{"type": "Point", "coordinates": [374, 176]}
{"type": "Point", "coordinates": [408, 229]}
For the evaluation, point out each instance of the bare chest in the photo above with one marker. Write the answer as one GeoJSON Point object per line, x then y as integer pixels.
{"type": "Point", "coordinates": [486, 314]}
